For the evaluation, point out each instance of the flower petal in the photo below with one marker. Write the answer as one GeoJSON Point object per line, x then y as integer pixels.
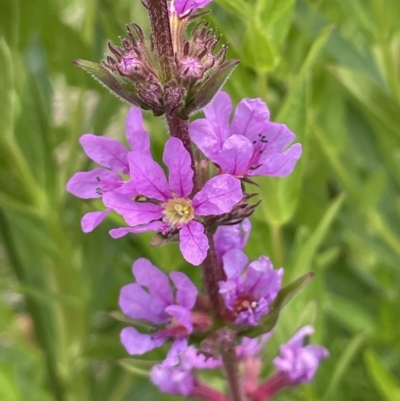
{"type": "Point", "coordinates": [193, 243]}
{"type": "Point", "coordinates": [182, 315]}
{"type": "Point", "coordinates": [138, 138]}
{"type": "Point", "coordinates": [231, 237]}
{"type": "Point", "coordinates": [279, 164]}
{"type": "Point", "coordinates": [234, 262]}
{"type": "Point", "coordinates": [128, 189]}
{"type": "Point", "coordinates": [154, 279]}
{"type": "Point", "coordinates": [262, 279]}
{"type": "Point", "coordinates": [181, 6]}
{"type": "Point", "coordinates": [186, 293]}
{"type": "Point", "coordinates": [218, 114]}
{"type": "Point", "coordinates": [206, 139]}
{"type": "Point", "coordinates": [137, 343]}
{"type": "Point", "coordinates": [278, 136]}
{"type": "Point", "coordinates": [218, 196]}
{"type": "Point", "coordinates": [91, 184]}
{"type": "Point", "coordinates": [148, 177]}
{"type": "Point", "coordinates": [250, 119]}
{"type": "Point", "coordinates": [137, 303]}
{"type": "Point", "coordinates": [134, 213]}
{"type": "Point", "coordinates": [120, 232]}
{"type": "Point", "coordinates": [252, 346]}
{"type": "Point", "coordinates": [92, 219]}
{"type": "Point", "coordinates": [105, 151]}
{"type": "Point", "coordinates": [297, 340]}
{"type": "Point", "coordinates": [235, 155]}
{"type": "Point", "coordinates": [177, 159]}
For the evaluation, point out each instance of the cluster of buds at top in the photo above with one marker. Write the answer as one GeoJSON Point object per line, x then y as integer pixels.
{"type": "Point", "coordinates": [133, 71]}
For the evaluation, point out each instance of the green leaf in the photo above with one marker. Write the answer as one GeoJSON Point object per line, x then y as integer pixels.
{"type": "Point", "coordinates": [351, 314]}
{"type": "Point", "coordinates": [284, 296]}
{"type": "Point", "coordinates": [119, 316]}
{"type": "Point", "coordinates": [206, 92]}
{"type": "Point", "coordinates": [343, 364]}
{"type": "Point", "coordinates": [302, 259]}
{"type": "Point", "coordinates": [257, 52]}
{"type": "Point", "coordinates": [239, 8]}
{"type": "Point", "coordinates": [271, 11]}
{"type": "Point", "coordinates": [387, 385]}
{"type": "Point", "coordinates": [138, 366]}
{"type": "Point", "coordinates": [105, 77]}
{"type": "Point", "coordinates": [377, 103]}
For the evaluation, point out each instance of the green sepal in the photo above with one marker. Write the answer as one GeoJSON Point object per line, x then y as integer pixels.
{"type": "Point", "coordinates": [206, 91]}
{"type": "Point", "coordinates": [107, 79]}
{"type": "Point", "coordinates": [284, 296]}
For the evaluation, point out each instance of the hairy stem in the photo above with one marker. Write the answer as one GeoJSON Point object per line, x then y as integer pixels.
{"type": "Point", "coordinates": [212, 274]}
{"type": "Point", "coordinates": [161, 35]}
{"type": "Point", "coordinates": [231, 367]}
{"type": "Point", "coordinates": [179, 128]}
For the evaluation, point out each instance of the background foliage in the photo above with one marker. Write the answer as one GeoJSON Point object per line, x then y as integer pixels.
{"type": "Point", "coordinates": [327, 68]}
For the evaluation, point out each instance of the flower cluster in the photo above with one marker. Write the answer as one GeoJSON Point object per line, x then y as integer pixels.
{"type": "Point", "coordinates": [200, 201]}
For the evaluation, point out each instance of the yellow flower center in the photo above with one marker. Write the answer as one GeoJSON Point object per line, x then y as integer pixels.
{"type": "Point", "coordinates": [178, 211]}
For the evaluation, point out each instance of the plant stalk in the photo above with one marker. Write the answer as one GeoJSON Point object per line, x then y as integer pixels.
{"type": "Point", "coordinates": [231, 366]}
{"type": "Point", "coordinates": [205, 393]}
{"type": "Point", "coordinates": [270, 387]}
{"type": "Point", "coordinates": [212, 274]}
{"type": "Point", "coordinates": [179, 128]}
{"type": "Point", "coordinates": [162, 38]}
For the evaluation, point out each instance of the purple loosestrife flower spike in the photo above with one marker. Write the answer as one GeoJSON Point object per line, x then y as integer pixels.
{"type": "Point", "coordinates": [299, 362]}
{"type": "Point", "coordinates": [113, 155]}
{"type": "Point", "coordinates": [168, 207]}
{"type": "Point", "coordinates": [231, 237]}
{"type": "Point", "coordinates": [249, 291]}
{"type": "Point", "coordinates": [250, 145]}
{"type": "Point", "coordinates": [160, 305]}
{"type": "Point", "coordinates": [176, 374]}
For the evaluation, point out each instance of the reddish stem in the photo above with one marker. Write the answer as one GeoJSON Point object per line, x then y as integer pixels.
{"type": "Point", "coordinates": [206, 393]}
{"type": "Point", "coordinates": [230, 363]}
{"type": "Point", "coordinates": [213, 273]}
{"type": "Point", "coordinates": [162, 38]}
{"type": "Point", "coordinates": [270, 387]}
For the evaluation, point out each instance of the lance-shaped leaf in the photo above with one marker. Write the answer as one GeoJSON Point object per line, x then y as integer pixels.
{"type": "Point", "coordinates": [138, 366]}
{"type": "Point", "coordinates": [142, 324]}
{"type": "Point", "coordinates": [107, 79]}
{"type": "Point", "coordinates": [209, 88]}
{"type": "Point", "coordinates": [284, 296]}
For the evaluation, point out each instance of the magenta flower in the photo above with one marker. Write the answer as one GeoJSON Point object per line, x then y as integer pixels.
{"type": "Point", "coordinates": [169, 310]}
{"type": "Point", "coordinates": [249, 146]}
{"type": "Point", "coordinates": [169, 206]}
{"type": "Point", "coordinates": [176, 374]}
{"type": "Point", "coordinates": [249, 291]}
{"type": "Point", "coordinates": [297, 362]}
{"type": "Point", "coordinates": [113, 155]}
{"type": "Point", "coordinates": [231, 237]}
{"type": "Point", "coordinates": [183, 6]}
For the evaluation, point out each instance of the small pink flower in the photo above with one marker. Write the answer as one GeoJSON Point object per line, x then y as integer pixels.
{"type": "Point", "coordinates": [168, 206]}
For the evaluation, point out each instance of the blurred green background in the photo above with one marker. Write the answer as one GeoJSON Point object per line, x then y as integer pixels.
{"type": "Point", "coordinates": [327, 68]}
